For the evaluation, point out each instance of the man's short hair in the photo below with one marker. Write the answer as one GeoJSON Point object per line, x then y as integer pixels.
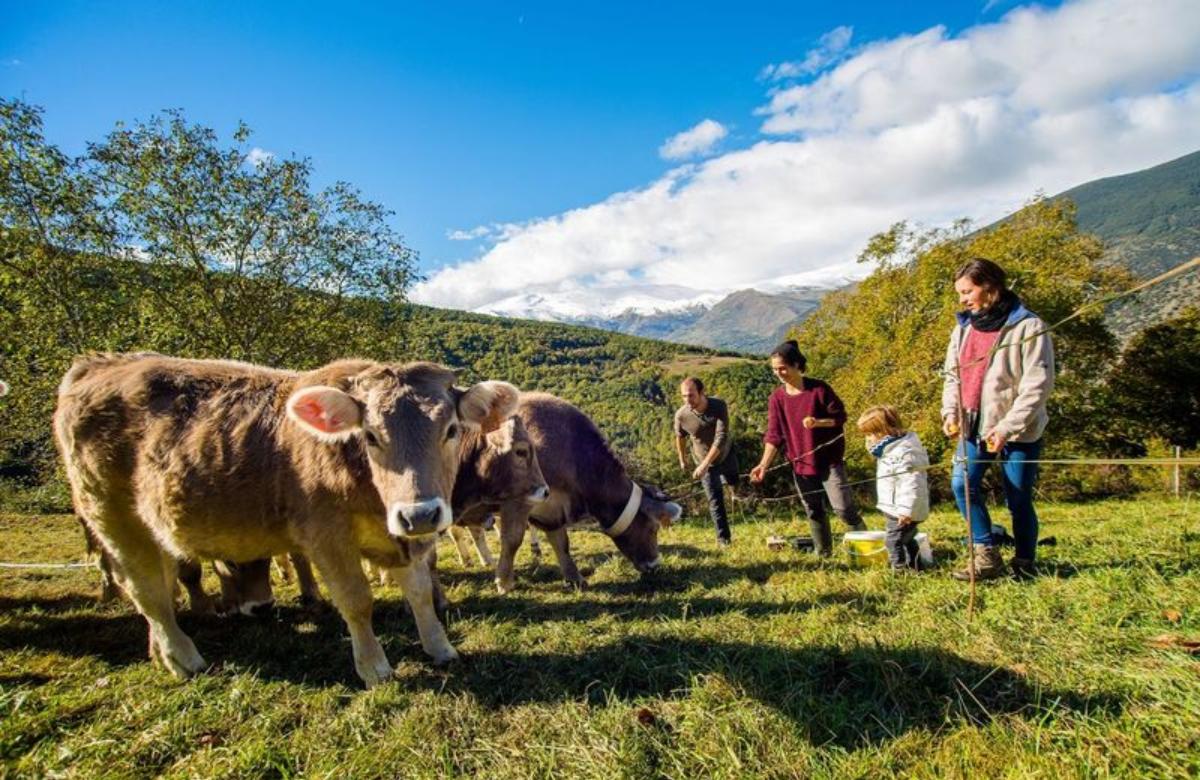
{"type": "Point", "coordinates": [695, 382]}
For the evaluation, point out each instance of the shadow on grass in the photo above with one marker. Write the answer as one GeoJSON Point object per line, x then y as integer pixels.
{"type": "Point", "coordinates": [851, 697]}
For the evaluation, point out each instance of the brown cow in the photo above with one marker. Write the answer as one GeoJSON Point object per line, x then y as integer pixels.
{"type": "Point", "coordinates": [174, 459]}
{"type": "Point", "coordinates": [586, 481]}
{"type": "Point", "coordinates": [497, 465]}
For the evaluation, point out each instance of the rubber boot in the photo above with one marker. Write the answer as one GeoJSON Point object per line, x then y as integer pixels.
{"type": "Point", "coordinates": [822, 537]}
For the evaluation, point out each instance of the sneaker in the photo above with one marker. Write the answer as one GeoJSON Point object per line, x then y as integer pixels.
{"type": "Point", "coordinates": [776, 543]}
{"type": "Point", "coordinates": [987, 563]}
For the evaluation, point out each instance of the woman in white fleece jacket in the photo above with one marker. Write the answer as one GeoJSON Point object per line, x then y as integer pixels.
{"type": "Point", "coordinates": [901, 482]}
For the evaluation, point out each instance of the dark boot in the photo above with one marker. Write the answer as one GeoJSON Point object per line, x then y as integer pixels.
{"type": "Point", "coordinates": [822, 537]}
{"type": "Point", "coordinates": [859, 526]}
{"type": "Point", "coordinates": [1023, 568]}
{"type": "Point", "coordinates": [987, 563]}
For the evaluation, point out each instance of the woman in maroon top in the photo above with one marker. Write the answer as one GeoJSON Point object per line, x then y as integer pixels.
{"type": "Point", "coordinates": [807, 417]}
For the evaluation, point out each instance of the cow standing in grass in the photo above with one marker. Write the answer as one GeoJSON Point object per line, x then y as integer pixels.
{"type": "Point", "coordinates": [587, 481]}
{"type": "Point", "coordinates": [173, 459]}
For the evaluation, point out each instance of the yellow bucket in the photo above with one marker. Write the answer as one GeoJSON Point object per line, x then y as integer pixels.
{"type": "Point", "coordinates": [865, 548]}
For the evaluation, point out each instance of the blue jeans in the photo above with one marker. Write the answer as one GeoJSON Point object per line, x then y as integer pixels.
{"type": "Point", "coordinates": [1019, 479]}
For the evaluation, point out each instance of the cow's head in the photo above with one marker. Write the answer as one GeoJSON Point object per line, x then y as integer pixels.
{"type": "Point", "coordinates": [409, 419]}
{"type": "Point", "coordinates": [507, 465]}
{"type": "Point", "coordinates": [638, 541]}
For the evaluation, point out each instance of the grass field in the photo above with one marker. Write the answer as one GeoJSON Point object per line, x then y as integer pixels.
{"type": "Point", "coordinates": [730, 663]}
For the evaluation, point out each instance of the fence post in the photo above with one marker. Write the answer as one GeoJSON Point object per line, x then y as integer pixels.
{"type": "Point", "coordinates": [1178, 456]}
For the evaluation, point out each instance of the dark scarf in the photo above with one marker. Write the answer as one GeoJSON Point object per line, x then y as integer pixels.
{"type": "Point", "coordinates": [878, 449]}
{"type": "Point", "coordinates": [992, 318]}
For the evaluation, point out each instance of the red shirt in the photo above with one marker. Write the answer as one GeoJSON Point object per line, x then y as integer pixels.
{"type": "Point", "coordinates": [785, 425]}
{"type": "Point", "coordinates": [973, 359]}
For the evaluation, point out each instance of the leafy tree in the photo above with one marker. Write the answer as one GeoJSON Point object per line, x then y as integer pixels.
{"type": "Point", "coordinates": [254, 264]}
{"type": "Point", "coordinates": [1157, 384]}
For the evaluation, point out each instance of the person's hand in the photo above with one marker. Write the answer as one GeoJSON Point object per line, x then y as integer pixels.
{"type": "Point", "coordinates": [950, 426]}
{"type": "Point", "coordinates": [996, 441]}
{"type": "Point", "coordinates": [758, 473]}
{"type": "Point", "coordinates": [810, 422]}
{"type": "Point", "coordinates": [904, 522]}
{"type": "Point", "coordinates": [700, 471]}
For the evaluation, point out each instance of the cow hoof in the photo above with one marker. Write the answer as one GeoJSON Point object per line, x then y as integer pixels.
{"type": "Point", "coordinates": [183, 661]}
{"type": "Point", "coordinates": [448, 656]}
{"type": "Point", "coordinates": [374, 674]}
{"type": "Point", "coordinates": [505, 586]}
{"type": "Point", "coordinates": [579, 584]}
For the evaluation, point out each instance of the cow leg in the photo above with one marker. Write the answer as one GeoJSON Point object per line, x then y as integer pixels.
{"type": "Point", "coordinates": [535, 547]}
{"type": "Point", "coordinates": [481, 547]}
{"type": "Point", "coordinates": [199, 602]}
{"type": "Point", "coordinates": [341, 568]}
{"type": "Point", "coordinates": [310, 593]}
{"type": "Point", "coordinates": [461, 537]}
{"type": "Point", "coordinates": [418, 583]}
{"type": "Point", "coordinates": [108, 583]}
{"type": "Point", "coordinates": [513, 522]}
{"type": "Point", "coordinates": [441, 604]}
{"type": "Point", "coordinates": [148, 576]}
{"type": "Point", "coordinates": [562, 550]}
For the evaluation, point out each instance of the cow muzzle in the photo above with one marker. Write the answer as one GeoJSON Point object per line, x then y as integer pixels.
{"type": "Point", "coordinates": [420, 519]}
{"type": "Point", "coordinates": [650, 566]}
{"type": "Point", "coordinates": [538, 494]}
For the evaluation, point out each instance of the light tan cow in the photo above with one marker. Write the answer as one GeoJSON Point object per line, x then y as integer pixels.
{"type": "Point", "coordinates": [174, 459]}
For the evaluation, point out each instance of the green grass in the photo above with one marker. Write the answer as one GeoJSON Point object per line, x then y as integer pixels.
{"type": "Point", "coordinates": [729, 663]}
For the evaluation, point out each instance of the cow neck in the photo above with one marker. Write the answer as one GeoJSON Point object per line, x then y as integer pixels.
{"type": "Point", "coordinates": [467, 483]}
{"type": "Point", "coordinates": [625, 519]}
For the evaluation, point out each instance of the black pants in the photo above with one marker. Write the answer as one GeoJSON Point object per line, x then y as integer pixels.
{"type": "Point", "coordinates": [724, 472]}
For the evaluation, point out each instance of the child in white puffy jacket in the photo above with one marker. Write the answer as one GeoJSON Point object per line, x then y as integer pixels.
{"type": "Point", "coordinates": [901, 483]}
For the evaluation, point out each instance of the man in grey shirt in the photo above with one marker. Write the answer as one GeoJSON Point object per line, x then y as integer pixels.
{"type": "Point", "coordinates": [705, 420]}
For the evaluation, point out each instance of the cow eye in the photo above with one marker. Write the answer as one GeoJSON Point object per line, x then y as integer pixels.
{"type": "Point", "coordinates": [452, 431]}
{"type": "Point", "coordinates": [372, 439]}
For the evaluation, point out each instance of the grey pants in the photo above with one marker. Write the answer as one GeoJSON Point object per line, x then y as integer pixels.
{"type": "Point", "coordinates": [902, 548]}
{"type": "Point", "coordinates": [813, 491]}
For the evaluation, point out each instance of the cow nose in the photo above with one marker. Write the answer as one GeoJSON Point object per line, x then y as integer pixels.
{"type": "Point", "coordinates": [420, 519]}
{"type": "Point", "coordinates": [650, 566]}
{"type": "Point", "coordinates": [538, 494]}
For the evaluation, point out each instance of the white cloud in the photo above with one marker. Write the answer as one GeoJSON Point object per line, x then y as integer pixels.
{"type": "Point", "coordinates": [474, 234]}
{"type": "Point", "coordinates": [829, 49]}
{"type": "Point", "coordinates": [257, 156]}
{"type": "Point", "coordinates": [926, 127]}
{"type": "Point", "coordinates": [693, 142]}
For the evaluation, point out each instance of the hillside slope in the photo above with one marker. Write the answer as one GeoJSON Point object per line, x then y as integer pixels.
{"type": "Point", "coordinates": [1150, 222]}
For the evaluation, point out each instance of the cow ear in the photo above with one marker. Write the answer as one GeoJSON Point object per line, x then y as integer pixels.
{"type": "Point", "coordinates": [487, 402]}
{"type": "Point", "coordinates": [500, 438]}
{"type": "Point", "coordinates": [325, 412]}
{"type": "Point", "coordinates": [665, 512]}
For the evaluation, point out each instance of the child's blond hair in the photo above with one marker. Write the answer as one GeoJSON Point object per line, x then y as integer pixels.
{"type": "Point", "coordinates": [881, 421]}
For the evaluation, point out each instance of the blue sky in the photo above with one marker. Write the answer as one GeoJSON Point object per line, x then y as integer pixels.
{"type": "Point", "coordinates": [516, 116]}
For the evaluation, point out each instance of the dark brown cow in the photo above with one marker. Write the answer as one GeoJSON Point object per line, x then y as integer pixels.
{"type": "Point", "coordinates": [586, 481]}
{"type": "Point", "coordinates": [174, 459]}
